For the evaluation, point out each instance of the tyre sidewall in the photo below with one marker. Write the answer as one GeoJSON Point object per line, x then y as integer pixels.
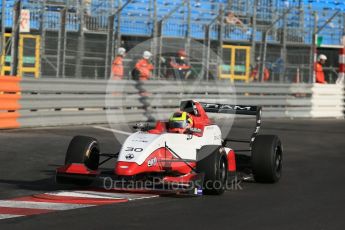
{"type": "Point", "coordinates": [264, 152]}
{"type": "Point", "coordinates": [83, 150]}
{"type": "Point", "coordinates": [214, 184]}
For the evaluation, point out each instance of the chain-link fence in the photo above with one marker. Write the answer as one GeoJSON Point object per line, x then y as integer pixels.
{"type": "Point", "coordinates": [262, 40]}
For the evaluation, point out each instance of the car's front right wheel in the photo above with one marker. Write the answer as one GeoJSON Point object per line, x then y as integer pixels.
{"type": "Point", "coordinates": [212, 161]}
{"type": "Point", "coordinates": [267, 158]}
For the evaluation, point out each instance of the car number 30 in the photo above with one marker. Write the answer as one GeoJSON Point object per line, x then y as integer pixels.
{"type": "Point", "coordinates": [131, 149]}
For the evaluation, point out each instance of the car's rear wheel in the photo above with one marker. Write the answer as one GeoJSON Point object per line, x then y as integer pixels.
{"type": "Point", "coordinates": [267, 158]}
{"type": "Point", "coordinates": [212, 162]}
{"type": "Point", "coordinates": [83, 150]}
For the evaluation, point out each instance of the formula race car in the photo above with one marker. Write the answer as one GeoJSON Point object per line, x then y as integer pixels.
{"type": "Point", "coordinates": [186, 154]}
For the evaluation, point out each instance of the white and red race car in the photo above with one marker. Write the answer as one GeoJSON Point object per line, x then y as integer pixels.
{"type": "Point", "coordinates": [198, 161]}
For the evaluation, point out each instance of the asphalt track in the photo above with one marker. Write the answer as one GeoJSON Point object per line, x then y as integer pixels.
{"type": "Point", "coordinates": [311, 194]}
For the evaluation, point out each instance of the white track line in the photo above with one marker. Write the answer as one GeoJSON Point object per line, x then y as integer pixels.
{"type": "Point", "coordinates": [40, 205]}
{"type": "Point", "coordinates": [112, 130]}
{"type": "Point", "coordinates": [101, 195]}
{"type": "Point", "coordinates": [142, 197]}
{"type": "Point", "coordinates": [129, 196]}
{"type": "Point", "coordinates": [7, 216]}
{"type": "Point", "coordinates": [77, 194]}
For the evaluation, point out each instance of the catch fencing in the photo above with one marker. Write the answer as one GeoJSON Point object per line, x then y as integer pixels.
{"type": "Point", "coordinates": [79, 39]}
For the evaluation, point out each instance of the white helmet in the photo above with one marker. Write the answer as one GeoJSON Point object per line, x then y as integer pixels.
{"type": "Point", "coordinates": [322, 57]}
{"type": "Point", "coordinates": [121, 51]}
{"type": "Point", "coordinates": [147, 55]}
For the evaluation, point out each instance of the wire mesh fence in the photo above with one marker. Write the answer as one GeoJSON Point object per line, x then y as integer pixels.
{"type": "Point", "coordinates": [79, 39]}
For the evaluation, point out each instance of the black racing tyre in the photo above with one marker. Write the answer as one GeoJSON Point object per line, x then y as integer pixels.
{"type": "Point", "coordinates": [267, 159]}
{"type": "Point", "coordinates": [83, 150]}
{"type": "Point", "coordinates": [212, 161]}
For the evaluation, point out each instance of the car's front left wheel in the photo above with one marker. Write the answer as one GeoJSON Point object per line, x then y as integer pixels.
{"type": "Point", "coordinates": [83, 150]}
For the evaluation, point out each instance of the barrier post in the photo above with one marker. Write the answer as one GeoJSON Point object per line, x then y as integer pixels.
{"type": "Point", "coordinates": [61, 42]}
{"type": "Point", "coordinates": [81, 42]}
{"type": "Point", "coordinates": [188, 29]}
{"type": "Point", "coordinates": [38, 57]}
{"type": "Point", "coordinates": [3, 17]}
{"type": "Point", "coordinates": [220, 38]}
{"type": "Point", "coordinates": [15, 38]}
{"type": "Point", "coordinates": [20, 56]}
{"type": "Point", "coordinates": [42, 32]}
{"type": "Point", "coordinates": [109, 46]}
{"type": "Point", "coordinates": [341, 74]}
{"type": "Point", "coordinates": [252, 39]}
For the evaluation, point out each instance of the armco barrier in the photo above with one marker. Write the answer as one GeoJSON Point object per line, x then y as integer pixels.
{"type": "Point", "coordinates": [278, 100]}
{"type": "Point", "coordinates": [53, 102]}
{"type": "Point", "coordinates": [47, 102]}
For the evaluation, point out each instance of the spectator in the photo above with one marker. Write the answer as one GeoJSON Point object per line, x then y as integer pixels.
{"type": "Point", "coordinates": [117, 65]}
{"type": "Point", "coordinates": [87, 7]}
{"type": "Point", "coordinates": [179, 66]}
{"type": "Point", "coordinates": [87, 14]}
{"type": "Point", "coordinates": [320, 75]}
{"type": "Point", "coordinates": [143, 68]}
{"type": "Point", "coordinates": [255, 74]}
{"type": "Point", "coordinates": [231, 19]}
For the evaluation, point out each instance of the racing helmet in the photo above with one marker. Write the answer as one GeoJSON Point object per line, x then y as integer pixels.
{"type": "Point", "coordinates": [179, 122]}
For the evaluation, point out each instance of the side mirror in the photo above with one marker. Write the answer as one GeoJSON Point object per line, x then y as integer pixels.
{"type": "Point", "coordinates": [144, 126]}
{"type": "Point", "coordinates": [141, 127]}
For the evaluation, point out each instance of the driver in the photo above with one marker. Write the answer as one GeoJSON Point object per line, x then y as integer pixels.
{"type": "Point", "coordinates": [179, 122]}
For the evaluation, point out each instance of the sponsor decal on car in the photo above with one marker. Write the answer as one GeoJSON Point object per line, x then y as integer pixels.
{"type": "Point", "coordinates": [131, 149]}
{"type": "Point", "coordinates": [152, 162]}
{"type": "Point", "coordinates": [129, 156]}
{"type": "Point", "coordinates": [140, 141]}
{"type": "Point", "coordinates": [223, 106]}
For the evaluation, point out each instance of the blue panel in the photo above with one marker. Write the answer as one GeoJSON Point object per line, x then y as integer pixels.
{"type": "Point", "coordinates": [137, 17]}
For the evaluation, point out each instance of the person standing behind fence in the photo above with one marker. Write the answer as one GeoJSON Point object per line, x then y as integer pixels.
{"type": "Point", "coordinates": [255, 73]}
{"type": "Point", "coordinates": [143, 68]}
{"type": "Point", "coordinates": [181, 69]}
{"type": "Point", "coordinates": [117, 65]}
{"type": "Point", "coordinates": [320, 75]}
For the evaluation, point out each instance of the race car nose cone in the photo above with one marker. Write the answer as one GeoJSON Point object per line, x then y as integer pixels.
{"type": "Point", "coordinates": [126, 168]}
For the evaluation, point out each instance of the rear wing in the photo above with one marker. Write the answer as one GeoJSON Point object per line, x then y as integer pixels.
{"type": "Point", "coordinates": [236, 109]}
{"type": "Point", "coordinates": [231, 109]}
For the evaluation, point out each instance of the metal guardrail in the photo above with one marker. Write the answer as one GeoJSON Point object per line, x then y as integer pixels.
{"type": "Point", "coordinates": [52, 102]}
